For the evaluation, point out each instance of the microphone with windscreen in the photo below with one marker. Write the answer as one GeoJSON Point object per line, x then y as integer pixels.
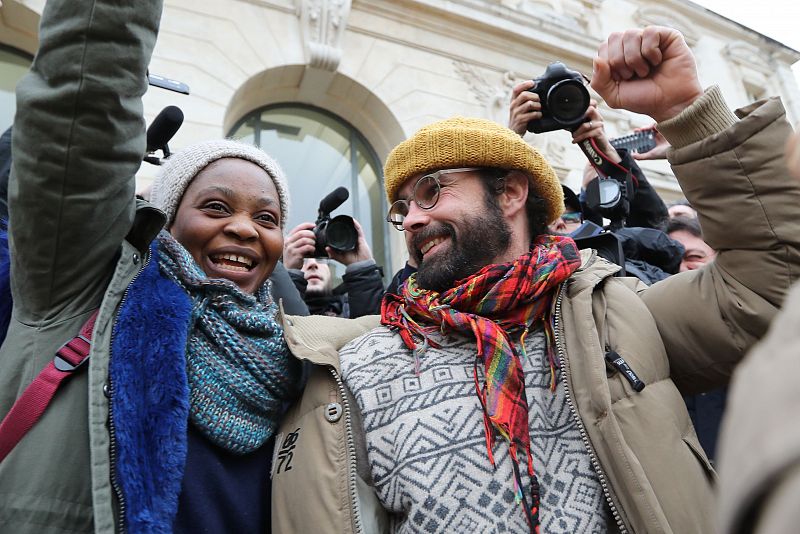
{"type": "Point", "coordinates": [160, 131]}
{"type": "Point", "coordinates": [333, 200]}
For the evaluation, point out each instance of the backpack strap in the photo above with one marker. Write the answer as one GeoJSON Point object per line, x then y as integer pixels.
{"type": "Point", "coordinates": [30, 406]}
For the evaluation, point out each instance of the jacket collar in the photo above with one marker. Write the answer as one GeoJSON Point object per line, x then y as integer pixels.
{"type": "Point", "coordinates": [318, 338]}
{"type": "Point", "coordinates": [147, 222]}
{"type": "Point", "coordinates": [593, 270]}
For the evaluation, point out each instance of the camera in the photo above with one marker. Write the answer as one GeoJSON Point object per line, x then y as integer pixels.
{"type": "Point", "coordinates": [564, 98]}
{"type": "Point", "coordinates": [611, 197]}
{"type": "Point", "coordinates": [339, 232]}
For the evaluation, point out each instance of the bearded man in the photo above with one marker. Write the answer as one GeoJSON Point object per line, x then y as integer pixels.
{"type": "Point", "coordinates": [516, 384]}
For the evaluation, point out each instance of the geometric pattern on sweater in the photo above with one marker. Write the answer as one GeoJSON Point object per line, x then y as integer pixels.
{"type": "Point", "coordinates": [427, 450]}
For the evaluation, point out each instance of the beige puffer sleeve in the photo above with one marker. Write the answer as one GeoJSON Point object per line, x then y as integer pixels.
{"type": "Point", "coordinates": [734, 174]}
{"type": "Point", "coordinates": [759, 451]}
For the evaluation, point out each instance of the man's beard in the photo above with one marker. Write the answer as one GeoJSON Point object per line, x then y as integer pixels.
{"type": "Point", "coordinates": [481, 240]}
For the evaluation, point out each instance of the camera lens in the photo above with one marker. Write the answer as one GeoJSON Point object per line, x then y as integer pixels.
{"type": "Point", "coordinates": [610, 193]}
{"type": "Point", "coordinates": [341, 233]}
{"type": "Point", "coordinates": [568, 101]}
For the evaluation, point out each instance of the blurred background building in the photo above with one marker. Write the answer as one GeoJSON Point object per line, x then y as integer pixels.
{"type": "Point", "coordinates": [328, 87]}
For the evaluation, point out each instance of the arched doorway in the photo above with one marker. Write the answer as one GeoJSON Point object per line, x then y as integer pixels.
{"type": "Point", "coordinates": [319, 152]}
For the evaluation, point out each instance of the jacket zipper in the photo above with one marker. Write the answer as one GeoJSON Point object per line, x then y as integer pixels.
{"type": "Point", "coordinates": [351, 448]}
{"type": "Point", "coordinates": [113, 458]}
{"type": "Point", "coordinates": [112, 447]}
{"type": "Point", "coordinates": [574, 412]}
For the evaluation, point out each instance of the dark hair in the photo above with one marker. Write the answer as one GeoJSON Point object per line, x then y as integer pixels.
{"type": "Point", "coordinates": [535, 207]}
{"type": "Point", "coordinates": [687, 224]}
{"type": "Point", "coordinates": [679, 202]}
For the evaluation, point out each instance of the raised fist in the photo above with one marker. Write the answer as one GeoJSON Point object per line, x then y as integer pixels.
{"type": "Point", "coordinates": [649, 71]}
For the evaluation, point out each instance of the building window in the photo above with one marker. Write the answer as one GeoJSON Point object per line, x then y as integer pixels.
{"type": "Point", "coordinates": [13, 66]}
{"type": "Point", "coordinates": [319, 152]}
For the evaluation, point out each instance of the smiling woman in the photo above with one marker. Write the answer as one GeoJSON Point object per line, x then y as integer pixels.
{"type": "Point", "coordinates": [171, 427]}
{"type": "Point", "coordinates": [230, 218]}
{"type": "Point", "coordinates": [227, 204]}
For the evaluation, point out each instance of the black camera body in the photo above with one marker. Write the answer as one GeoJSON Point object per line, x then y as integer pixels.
{"type": "Point", "coordinates": [564, 98]}
{"type": "Point", "coordinates": [611, 197]}
{"type": "Point", "coordinates": [338, 232]}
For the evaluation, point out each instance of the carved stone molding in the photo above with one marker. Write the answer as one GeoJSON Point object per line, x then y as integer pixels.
{"type": "Point", "coordinates": [659, 16]}
{"type": "Point", "coordinates": [753, 66]}
{"type": "Point", "coordinates": [322, 25]}
{"type": "Point", "coordinates": [494, 95]}
{"type": "Point", "coordinates": [748, 56]}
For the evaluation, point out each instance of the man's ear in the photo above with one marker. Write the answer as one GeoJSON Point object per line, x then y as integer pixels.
{"type": "Point", "coordinates": [515, 193]}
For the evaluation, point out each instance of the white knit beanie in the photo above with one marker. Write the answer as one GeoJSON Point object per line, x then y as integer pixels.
{"type": "Point", "coordinates": [181, 168]}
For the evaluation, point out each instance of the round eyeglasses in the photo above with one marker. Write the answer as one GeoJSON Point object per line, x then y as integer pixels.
{"type": "Point", "coordinates": [425, 195]}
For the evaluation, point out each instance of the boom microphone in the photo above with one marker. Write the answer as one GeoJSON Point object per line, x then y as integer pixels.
{"type": "Point", "coordinates": [333, 200]}
{"type": "Point", "coordinates": [163, 127]}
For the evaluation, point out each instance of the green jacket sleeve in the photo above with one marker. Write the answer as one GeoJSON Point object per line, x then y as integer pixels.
{"type": "Point", "coordinates": [734, 174]}
{"type": "Point", "coordinates": [78, 141]}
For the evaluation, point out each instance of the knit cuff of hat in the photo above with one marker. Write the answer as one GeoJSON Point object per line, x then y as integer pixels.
{"type": "Point", "coordinates": [706, 116]}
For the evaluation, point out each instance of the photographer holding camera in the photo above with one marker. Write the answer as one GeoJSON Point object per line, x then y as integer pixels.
{"type": "Point", "coordinates": [558, 100]}
{"type": "Point", "coordinates": [361, 289]}
{"type": "Point", "coordinates": [581, 116]}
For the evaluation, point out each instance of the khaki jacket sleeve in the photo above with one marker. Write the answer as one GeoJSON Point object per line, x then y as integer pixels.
{"type": "Point", "coordinates": [738, 182]}
{"type": "Point", "coordinates": [78, 140]}
{"type": "Point", "coordinates": [759, 451]}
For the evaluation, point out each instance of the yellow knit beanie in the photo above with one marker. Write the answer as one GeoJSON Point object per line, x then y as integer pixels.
{"type": "Point", "coordinates": [470, 142]}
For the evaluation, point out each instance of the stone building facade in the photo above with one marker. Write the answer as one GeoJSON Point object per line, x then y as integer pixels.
{"type": "Point", "coordinates": [328, 87]}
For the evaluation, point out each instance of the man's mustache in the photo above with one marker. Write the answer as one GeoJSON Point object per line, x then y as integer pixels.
{"type": "Point", "coordinates": [430, 232]}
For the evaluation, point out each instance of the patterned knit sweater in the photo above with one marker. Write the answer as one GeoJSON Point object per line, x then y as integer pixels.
{"type": "Point", "coordinates": [427, 451]}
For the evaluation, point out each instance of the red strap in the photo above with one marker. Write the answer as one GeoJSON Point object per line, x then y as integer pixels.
{"type": "Point", "coordinates": [30, 406]}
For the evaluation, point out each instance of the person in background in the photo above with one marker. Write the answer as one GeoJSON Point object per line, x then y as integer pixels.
{"type": "Point", "coordinates": [361, 289]}
{"type": "Point", "coordinates": [317, 273]}
{"type": "Point", "coordinates": [681, 208]}
{"type": "Point", "coordinates": [687, 231]}
{"type": "Point", "coordinates": [408, 269]}
{"type": "Point", "coordinates": [319, 289]}
{"type": "Point", "coordinates": [572, 218]}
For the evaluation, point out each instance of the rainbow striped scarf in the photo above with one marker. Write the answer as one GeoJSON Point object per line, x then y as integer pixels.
{"type": "Point", "coordinates": [495, 300]}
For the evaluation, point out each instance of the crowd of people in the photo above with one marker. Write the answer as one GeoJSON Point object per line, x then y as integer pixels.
{"type": "Point", "coordinates": [508, 379]}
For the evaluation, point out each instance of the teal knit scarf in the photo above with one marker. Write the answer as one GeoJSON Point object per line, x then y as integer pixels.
{"type": "Point", "coordinates": [240, 372]}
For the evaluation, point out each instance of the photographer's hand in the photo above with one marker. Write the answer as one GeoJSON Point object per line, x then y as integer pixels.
{"type": "Point", "coordinates": [299, 244]}
{"type": "Point", "coordinates": [650, 71]}
{"type": "Point", "coordinates": [793, 153]}
{"type": "Point", "coordinates": [659, 151]}
{"type": "Point", "coordinates": [595, 128]}
{"type": "Point", "coordinates": [362, 251]}
{"type": "Point", "coordinates": [525, 107]}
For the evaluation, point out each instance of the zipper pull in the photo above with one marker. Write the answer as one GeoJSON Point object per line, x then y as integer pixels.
{"type": "Point", "coordinates": [619, 363]}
